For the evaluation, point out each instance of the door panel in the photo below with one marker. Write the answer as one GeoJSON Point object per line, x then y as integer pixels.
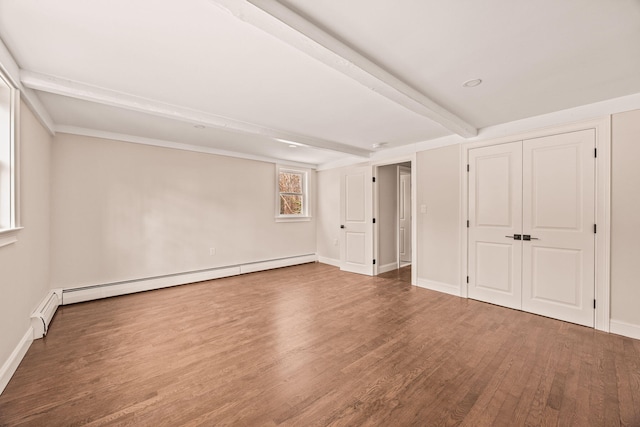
{"type": "Point", "coordinates": [404, 215]}
{"type": "Point", "coordinates": [356, 251]}
{"type": "Point", "coordinates": [559, 213]}
{"type": "Point", "coordinates": [493, 261]}
{"type": "Point", "coordinates": [495, 212]}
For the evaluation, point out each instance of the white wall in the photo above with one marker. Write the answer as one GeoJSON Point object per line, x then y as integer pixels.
{"type": "Point", "coordinates": [438, 231]}
{"type": "Point", "coordinates": [123, 211]}
{"type": "Point", "coordinates": [625, 218]}
{"type": "Point", "coordinates": [328, 210]}
{"type": "Point", "coordinates": [387, 186]}
{"type": "Point", "coordinates": [24, 265]}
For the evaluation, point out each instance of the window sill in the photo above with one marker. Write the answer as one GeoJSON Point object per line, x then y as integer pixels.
{"type": "Point", "coordinates": [293, 218]}
{"type": "Point", "coordinates": [9, 236]}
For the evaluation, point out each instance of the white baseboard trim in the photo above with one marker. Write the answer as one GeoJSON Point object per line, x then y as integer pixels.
{"type": "Point", "coordinates": [285, 262]}
{"type": "Point", "coordinates": [41, 317]}
{"type": "Point", "coordinates": [625, 329]}
{"type": "Point", "coordinates": [89, 293]}
{"type": "Point", "coordinates": [439, 286]}
{"type": "Point", "coordinates": [11, 364]}
{"type": "Point", "coordinates": [330, 261]}
{"type": "Point", "coordinates": [387, 267]}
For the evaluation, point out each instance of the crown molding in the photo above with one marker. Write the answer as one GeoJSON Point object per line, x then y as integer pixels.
{"type": "Point", "coordinates": [74, 130]}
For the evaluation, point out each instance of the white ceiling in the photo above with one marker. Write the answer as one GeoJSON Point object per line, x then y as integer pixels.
{"type": "Point", "coordinates": [337, 76]}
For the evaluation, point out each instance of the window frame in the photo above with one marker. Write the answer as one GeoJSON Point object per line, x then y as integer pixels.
{"type": "Point", "coordinates": [306, 205]}
{"type": "Point", "coordinates": [9, 155]}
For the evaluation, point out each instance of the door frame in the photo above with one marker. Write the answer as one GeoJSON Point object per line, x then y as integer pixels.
{"type": "Point", "coordinates": [376, 211]}
{"type": "Point", "coordinates": [602, 127]}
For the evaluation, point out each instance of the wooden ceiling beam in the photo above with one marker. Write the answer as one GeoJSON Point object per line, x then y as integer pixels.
{"type": "Point", "coordinates": [291, 28]}
{"type": "Point", "coordinates": [82, 91]}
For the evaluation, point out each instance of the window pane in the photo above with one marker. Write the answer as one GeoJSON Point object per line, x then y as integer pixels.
{"type": "Point", "coordinates": [290, 204]}
{"type": "Point", "coordinates": [290, 182]}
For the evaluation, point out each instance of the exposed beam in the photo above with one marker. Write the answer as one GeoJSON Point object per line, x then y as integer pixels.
{"type": "Point", "coordinates": [77, 90]}
{"type": "Point", "coordinates": [283, 23]}
{"type": "Point", "coordinates": [74, 130]}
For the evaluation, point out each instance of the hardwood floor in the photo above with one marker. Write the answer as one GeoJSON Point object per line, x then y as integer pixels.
{"type": "Point", "coordinates": [310, 345]}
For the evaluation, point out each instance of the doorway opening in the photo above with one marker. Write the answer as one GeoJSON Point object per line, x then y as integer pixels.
{"type": "Point", "coordinates": [393, 225]}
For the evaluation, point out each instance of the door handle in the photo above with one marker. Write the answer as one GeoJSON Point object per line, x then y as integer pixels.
{"type": "Point", "coordinates": [528, 237]}
{"type": "Point", "coordinates": [515, 237]}
{"type": "Point", "coordinates": [342, 226]}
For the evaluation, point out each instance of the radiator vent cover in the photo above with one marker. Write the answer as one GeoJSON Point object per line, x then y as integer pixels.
{"type": "Point", "coordinates": [41, 317]}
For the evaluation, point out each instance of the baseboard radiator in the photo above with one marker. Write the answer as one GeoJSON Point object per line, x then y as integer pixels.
{"type": "Point", "coordinates": [42, 316]}
{"type": "Point", "coordinates": [106, 290]}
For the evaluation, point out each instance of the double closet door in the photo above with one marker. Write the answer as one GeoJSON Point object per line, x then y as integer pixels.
{"type": "Point", "coordinates": [531, 225]}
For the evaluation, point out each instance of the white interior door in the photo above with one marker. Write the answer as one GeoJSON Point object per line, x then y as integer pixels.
{"type": "Point", "coordinates": [404, 216]}
{"type": "Point", "coordinates": [356, 219]}
{"type": "Point", "coordinates": [559, 215]}
{"type": "Point", "coordinates": [495, 221]}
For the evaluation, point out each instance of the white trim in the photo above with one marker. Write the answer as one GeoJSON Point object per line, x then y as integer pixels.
{"type": "Point", "coordinates": [329, 261]}
{"type": "Point", "coordinates": [276, 19]}
{"type": "Point", "coordinates": [11, 364]}
{"type": "Point", "coordinates": [74, 130]}
{"type": "Point", "coordinates": [438, 286]}
{"type": "Point", "coordinates": [387, 267]}
{"type": "Point", "coordinates": [284, 218]}
{"type": "Point", "coordinates": [285, 262]}
{"type": "Point", "coordinates": [625, 329]}
{"type": "Point", "coordinates": [306, 194]}
{"type": "Point", "coordinates": [86, 92]}
{"type": "Point", "coordinates": [42, 316]}
{"type": "Point", "coordinates": [11, 69]}
{"type": "Point", "coordinates": [9, 236]}
{"type": "Point", "coordinates": [9, 155]}
{"type": "Point", "coordinates": [550, 120]}
{"type": "Point", "coordinates": [602, 127]}
{"type": "Point", "coordinates": [88, 293]}
{"type": "Point", "coordinates": [603, 221]}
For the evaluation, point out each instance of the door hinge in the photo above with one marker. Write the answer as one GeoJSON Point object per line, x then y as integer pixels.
{"type": "Point", "coordinates": [467, 279]}
{"type": "Point", "coordinates": [467, 223]}
{"type": "Point", "coordinates": [594, 303]}
{"type": "Point", "coordinates": [595, 229]}
{"type": "Point", "coordinates": [373, 179]}
{"type": "Point", "coordinates": [467, 167]}
{"type": "Point", "coordinates": [595, 152]}
{"type": "Point", "coordinates": [374, 220]}
{"type": "Point", "coordinates": [374, 262]}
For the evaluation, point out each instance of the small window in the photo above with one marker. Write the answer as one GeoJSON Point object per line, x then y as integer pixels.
{"type": "Point", "coordinates": [292, 196]}
{"type": "Point", "coordinates": [8, 96]}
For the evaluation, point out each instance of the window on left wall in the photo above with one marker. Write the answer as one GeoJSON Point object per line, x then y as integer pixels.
{"type": "Point", "coordinates": [8, 160]}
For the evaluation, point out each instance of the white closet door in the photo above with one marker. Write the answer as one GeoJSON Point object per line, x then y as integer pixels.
{"type": "Point", "coordinates": [356, 206]}
{"type": "Point", "coordinates": [495, 217]}
{"type": "Point", "coordinates": [558, 213]}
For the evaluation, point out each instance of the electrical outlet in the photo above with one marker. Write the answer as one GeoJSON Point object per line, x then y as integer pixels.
{"type": "Point", "coordinates": [212, 251]}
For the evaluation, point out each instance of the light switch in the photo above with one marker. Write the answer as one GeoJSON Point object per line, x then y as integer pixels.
{"type": "Point", "coordinates": [423, 209]}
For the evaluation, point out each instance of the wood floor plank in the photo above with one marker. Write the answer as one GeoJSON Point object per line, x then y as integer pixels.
{"type": "Point", "coordinates": [311, 345]}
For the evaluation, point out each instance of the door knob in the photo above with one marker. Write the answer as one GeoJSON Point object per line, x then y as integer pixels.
{"type": "Point", "coordinates": [515, 237]}
{"type": "Point", "coordinates": [342, 226]}
{"type": "Point", "coordinates": [528, 237]}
